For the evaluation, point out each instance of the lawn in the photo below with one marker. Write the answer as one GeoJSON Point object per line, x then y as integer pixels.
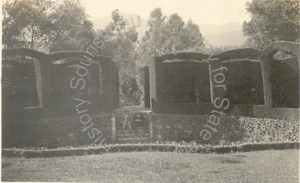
{"type": "Point", "coordinates": [259, 166]}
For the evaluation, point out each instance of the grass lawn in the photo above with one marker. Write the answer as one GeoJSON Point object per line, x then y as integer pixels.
{"type": "Point", "coordinates": [259, 166]}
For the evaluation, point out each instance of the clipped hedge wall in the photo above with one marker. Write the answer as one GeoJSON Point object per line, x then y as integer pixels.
{"type": "Point", "coordinates": [18, 90]}
{"type": "Point", "coordinates": [285, 83]}
{"type": "Point", "coordinates": [244, 82]}
{"type": "Point", "coordinates": [231, 129]}
{"type": "Point", "coordinates": [175, 127]}
{"type": "Point", "coordinates": [54, 132]}
{"type": "Point", "coordinates": [66, 131]}
{"type": "Point", "coordinates": [186, 82]}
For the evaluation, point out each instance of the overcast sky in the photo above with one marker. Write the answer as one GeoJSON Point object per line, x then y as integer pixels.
{"type": "Point", "coordinates": [201, 11]}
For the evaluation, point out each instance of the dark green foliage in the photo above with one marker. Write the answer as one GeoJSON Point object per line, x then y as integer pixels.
{"type": "Point", "coordinates": [146, 84]}
{"type": "Point", "coordinates": [18, 85]}
{"type": "Point", "coordinates": [166, 35]}
{"type": "Point", "coordinates": [46, 25]}
{"type": "Point", "coordinates": [272, 20]}
{"type": "Point", "coordinates": [274, 146]}
{"type": "Point", "coordinates": [182, 80]}
{"type": "Point", "coordinates": [285, 83]}
{"type": "Point", "coordinates": [119, 42]}
{"type": "Point", "coordinates": [186, 128]}
{"type": "Point", "coordinates": [244, 82]}
{"type": "Point", "coordinates": [186, 82]}
{"type": "Point", "coordinates": [130, 91]}
{"type": "Point", "coordinates": [53, 132]}
{"type": "Point", "coordinates": [230, 130]}
{"type": "Point", "coordinates": [20, 88]}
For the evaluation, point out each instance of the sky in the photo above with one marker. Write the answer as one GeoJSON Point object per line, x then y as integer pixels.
{"type": "Point", "coordinates": [215, 12]}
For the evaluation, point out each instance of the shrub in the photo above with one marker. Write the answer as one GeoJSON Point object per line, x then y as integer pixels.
{"type": "Point", "coordinates": [54, 132]}
{"type": "Point", "coordinates": [231, 130]}
{"type": "Point", "coordinates": [187, 128]}
{"type": "Point", "coordinates": [269, 130]}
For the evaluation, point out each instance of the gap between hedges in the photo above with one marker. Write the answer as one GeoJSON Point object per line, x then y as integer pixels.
{"type": "Point", "coordinates": [44, 153]}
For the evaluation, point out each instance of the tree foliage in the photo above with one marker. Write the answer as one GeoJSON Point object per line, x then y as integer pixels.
{"type": "Point", "coordinates": [23, 22]}
{"type": "Point", "coordinates": [272, 20]}
{"type": "Point", "coordinates": [167, 34]}
{"type": "Point", "coordinates": [69, 27]}
{"type": "Point", "coordinates": [119, 42]}
{"type": "Point", "coordinates": [45, 25]}
{"type": "Point", "coordinates": [52, 26]}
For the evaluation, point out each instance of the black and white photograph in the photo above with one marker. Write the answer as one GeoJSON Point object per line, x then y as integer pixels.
{"type": "Point", "coordinates": [150, 91]}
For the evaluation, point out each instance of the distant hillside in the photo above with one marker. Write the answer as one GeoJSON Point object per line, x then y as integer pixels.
{"type": "Point", "coordinates": [234, 38]}
{"type": "Point", "coordinates": [217, 35]}
{"type": "Point", "coordinates": [227, 34]}
{"type": "Point", "coordinates": [211, 29]}
{"type": "Point", "coordinates": [102, 22]}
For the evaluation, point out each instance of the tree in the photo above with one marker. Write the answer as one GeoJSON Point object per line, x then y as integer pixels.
{"type": "Point", "coordinates": [22, 22]}
{"type": "Point", "coordinates": [69, 27]}
{"type": "Point", "coordinates": [45, 25]}
{"type": "Point", "coordinates": [119, 42]}
{"type": "Point", "coordinates": [167, 35]}
{"type": "Point", "coordinates": [272, 20]}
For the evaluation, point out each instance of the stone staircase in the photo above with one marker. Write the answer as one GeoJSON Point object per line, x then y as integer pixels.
{"type": "Point", "coordinates": [140, 133]}
{"type": "Point", "coordinates": [131, 136]}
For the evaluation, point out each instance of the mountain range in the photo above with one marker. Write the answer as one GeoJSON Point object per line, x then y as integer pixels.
{"type": "Point", "coordinates": [230, 34]}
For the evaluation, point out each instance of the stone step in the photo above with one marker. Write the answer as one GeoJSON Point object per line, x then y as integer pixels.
{"type": "Point", "coordinates": [133, 134]}
{"type": "Point", "coordinates": [133, 131]}
{"type": "Point", "coordinates": [125, 134]}
{"type": "Point", "coordinates": [133, 140]}
{"type": "Point", "coordinates": [137, 128]}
